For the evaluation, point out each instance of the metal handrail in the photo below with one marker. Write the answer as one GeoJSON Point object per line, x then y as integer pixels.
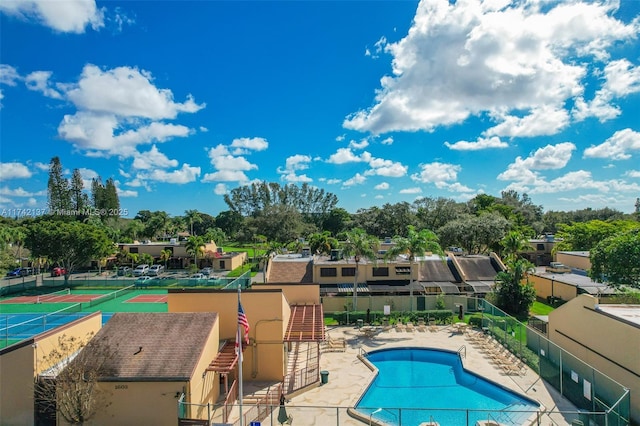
{"type": "Point", "coordinates": [460, 351]}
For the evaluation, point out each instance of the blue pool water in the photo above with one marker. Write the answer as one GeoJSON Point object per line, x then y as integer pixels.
{"type": "Point", "coordinates": [417, 385]}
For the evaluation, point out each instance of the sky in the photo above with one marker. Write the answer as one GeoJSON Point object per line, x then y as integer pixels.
{"type": "Point", "coordinates": [375, 101]}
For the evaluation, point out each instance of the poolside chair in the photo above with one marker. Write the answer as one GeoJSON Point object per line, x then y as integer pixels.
{"type": "Point", "coordinates": [400, 327]}
{"type": "Point", "coordinates": [409, 327]}
{"type": "Point", "coordinates": [421, 326]}
{"type": "Point", "coordinates": [335, 344]}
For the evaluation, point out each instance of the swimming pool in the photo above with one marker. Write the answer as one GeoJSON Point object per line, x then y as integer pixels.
{"type": "Point", "coordinates": [416, 385]}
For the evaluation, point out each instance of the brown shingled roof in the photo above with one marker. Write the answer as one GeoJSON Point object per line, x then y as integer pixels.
{"type": "Point", "coordinates": [291, 272]}
{"type": "Point", "coordinates": [154, 346]}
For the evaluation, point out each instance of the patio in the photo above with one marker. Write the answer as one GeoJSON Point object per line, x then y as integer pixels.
{"type": "Point", "coordinates": [349, 376]}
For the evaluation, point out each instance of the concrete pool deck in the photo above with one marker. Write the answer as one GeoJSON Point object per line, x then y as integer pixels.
{"type": "Point", "coordinates": [349, 376]}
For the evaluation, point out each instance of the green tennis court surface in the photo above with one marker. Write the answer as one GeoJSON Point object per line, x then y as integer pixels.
{"type": "Point", "coordinates": [19, 321]}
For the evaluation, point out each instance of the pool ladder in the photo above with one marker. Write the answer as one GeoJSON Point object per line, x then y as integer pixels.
{"type": "Point", "coordinates": [462, 351]}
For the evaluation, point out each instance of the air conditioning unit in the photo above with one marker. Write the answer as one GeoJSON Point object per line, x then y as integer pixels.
{"type": "Point", "coordinates": [336, 254]}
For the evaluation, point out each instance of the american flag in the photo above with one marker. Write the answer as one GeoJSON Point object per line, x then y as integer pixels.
{"type": "Point", "coordinates": [243, 321]}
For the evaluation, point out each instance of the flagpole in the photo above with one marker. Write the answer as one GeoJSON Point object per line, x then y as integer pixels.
{"type": "Point", "coordinates": [239, 341]}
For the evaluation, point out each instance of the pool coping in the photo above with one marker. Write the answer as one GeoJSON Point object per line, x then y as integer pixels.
{"type": "Point", "coordinates": [355, 413]}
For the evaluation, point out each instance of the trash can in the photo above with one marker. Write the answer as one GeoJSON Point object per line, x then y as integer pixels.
{"type": "Point", "coordinates": [359, 323]}
{"type": "Point", "coordinates": [324, 377]}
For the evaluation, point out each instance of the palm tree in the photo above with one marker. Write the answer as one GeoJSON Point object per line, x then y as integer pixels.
{"type": "Point", "coordinates": [360, 245]}
{"type": "Point", "coordinates": [322, 242]}
{"type": "Point", "coordinates": [165, 255]}
{"type": "Point", "coordinates": [194, 246]}
{"type": "Point", "coordinates": [513, 243]}
{"type": "Point", "coordinates": [192, 216]}
{"type": "Point", "coordinates": [415, 244]}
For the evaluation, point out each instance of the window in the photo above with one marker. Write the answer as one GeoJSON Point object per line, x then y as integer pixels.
{"type": "Point", "coordinates": [403, 270]}
{"type": "Point", "coordinates": [328, 272]}
{"type": "Point", "coordinates": [349, 272]}
{"type": "Point", "coordinates": [170, 249]}
{"type": "Point", "coordinates": [381, 272]}
{"type": "Point", "coordinates": [223, 265]}
{"type": "Point", "coordinates": [133, 249]}
{"type": "Point", "coordinates": [540, 247]}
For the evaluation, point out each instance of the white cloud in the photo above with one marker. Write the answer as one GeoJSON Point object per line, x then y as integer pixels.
{"type": "Point", "coordinates": [226, 176]}
{"type": "Point", "coordinates": [127, 193]}
{"type": "Point", "coordinates": [153, 159]}
{"type": "Point", "coordinates": [440, 174]}
{"type": "Point", "coordinates": [633, 173]}
{"type": "Point", "coordinates": [124, 174]}
{"type": "Point", "coordinates": [550, 157]}
{"type": "Point", "coordinates": [359, 145]}
{"type": "Point", "coordinates": [541, 121]}
{"type": "Point", "coordinates": [621, 78]}
{"type": "Point", "coordinates": [381, 186]}
{"type": "Point", "coordinates": [20, 192]}
{"type": "Point", "coordinates": [481, 143]}
{"type": "Point", "coordinates": [116, 110]}
{"type": "Point", "coordinates": [41, 166]}
{"type": "Point", "coordinates": [220, 189]}
{"type": "Point", "coordinates": [358, 179]}
{"type": "Point", "coordinates": [387, 168]}
{"type": "Point", "coordinates": [519, 63]}
{"type": "Point", "coordinates": [69, 16]}
{"type": "Point", "coordinates": [617, 147]}
{"type": "Point", "coordinates": [292, 165]}
{"type": "Point", "coordinates": [294, 178]}
{"type": "Point", "coordinates": [333, 181]}
{"type": "Point", "coordinates": [387, 141]}
{"type": "Point", "coordinates": [38, 81]}
{"type": "Point", "coordinates": [9, 75]}
{"type": "Point", "coordinates": [414, 190]}
{"type": "Point", "coordinates": [230, 165]}
{"type": "Point", "coordinates": [183, 175]}
{"type": "Point", "coordinates": [253, 144]}
{"type": "Point", "coordinates": [125, 91]}
{"type": "Point", "coordinates": [343, 156]}
{"type": "Point", "coordinates": [14, 171]}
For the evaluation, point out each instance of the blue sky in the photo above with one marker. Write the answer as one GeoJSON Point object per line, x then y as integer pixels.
{"type": "Point", "coordinates": [377, 102]}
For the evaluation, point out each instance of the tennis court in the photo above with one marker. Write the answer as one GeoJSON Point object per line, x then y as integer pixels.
{"type": "Point", "coordinates": [23, 316]}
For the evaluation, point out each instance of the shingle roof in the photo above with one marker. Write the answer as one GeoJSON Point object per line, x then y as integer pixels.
{"type": "Point", "coordinates": [291, 272]}
{"type": "Point", "coordinates": [154, 346]}
{"type": "Point", "coordinates": [478, 268]}
{"type": "Point", "coordinates": [436, 270]}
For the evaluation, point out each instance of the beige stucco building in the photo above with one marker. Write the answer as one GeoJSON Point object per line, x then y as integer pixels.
{"type": "Point", "coordinates": [22, 363]}
{"type": "Point", "coordinates": [606, 337]}
{"type": "Point", "coordinates": [212, 256]}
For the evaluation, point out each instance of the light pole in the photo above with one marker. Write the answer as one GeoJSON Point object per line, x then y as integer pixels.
{"type": "Point", "coordinates": [552, 296]}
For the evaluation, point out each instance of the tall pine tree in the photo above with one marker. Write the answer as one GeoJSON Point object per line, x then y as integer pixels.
{"type": "Point", "coordinates": [79, 199]}
{"type": "Point", "coordinates": [58, 190]}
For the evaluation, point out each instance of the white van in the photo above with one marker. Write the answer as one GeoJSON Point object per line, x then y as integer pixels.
{"type": "Point", "coordinates": [141, 270]}
{"type": "Point", "coordinates": [155, 270]}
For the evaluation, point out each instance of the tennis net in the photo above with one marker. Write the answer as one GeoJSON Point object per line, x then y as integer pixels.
{"type": "Point", "coordinates": [111, 296]}
{"type": "Point", "coordinates": [49, 296]}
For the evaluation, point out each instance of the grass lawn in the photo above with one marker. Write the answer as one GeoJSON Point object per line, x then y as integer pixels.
{"type": "Point", "coordinates": [539, 308]}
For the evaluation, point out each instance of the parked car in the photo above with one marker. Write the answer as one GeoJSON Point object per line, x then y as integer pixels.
{"type": "Point", "coordinates": [206, 271]}
{"type": "Point", "coordinates": [143, 281]}
{"type": "Point", "coordinates": [155, 270]}
{"type": "Point", "coordinates": [197, 277]}
{"type": "Point", "coordinates": [19, 272]}
{"type": "Point", "coordinates": [123, 271]}
{"type": "Point", "coordinates": [141, 270]}
{"type": "Point", "coordinates": [58, 271]}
